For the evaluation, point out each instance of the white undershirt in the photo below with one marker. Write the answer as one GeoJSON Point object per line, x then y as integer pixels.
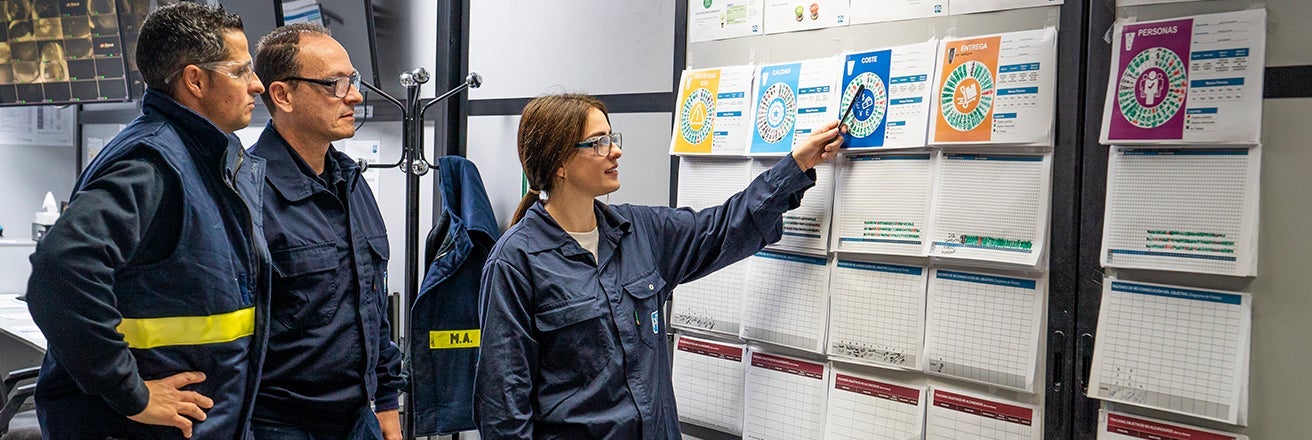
{"type": "Point", "coordinates": [588, 240]}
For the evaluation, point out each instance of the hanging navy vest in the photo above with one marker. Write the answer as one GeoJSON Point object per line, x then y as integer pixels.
{"type": "Point", "coordinates": [444, 329]}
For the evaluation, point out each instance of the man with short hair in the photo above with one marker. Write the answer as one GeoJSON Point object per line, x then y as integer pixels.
{"type": "Point", "coordinates": [332, 371]}
{"type": "Point", "coordinates": [147, 287]}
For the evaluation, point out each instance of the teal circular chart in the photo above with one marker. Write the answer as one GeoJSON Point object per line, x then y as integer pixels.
{"type": "Point", "coordinates": [1152, 88]}
{"type": "Point", "coordinates": [871, 105]}
{"type": "Point", "coordinates": [776, 112]}
{"type": "Point", "coordinates": [696, 116]}
{"type": "Point", "coordinates": [967, 96]}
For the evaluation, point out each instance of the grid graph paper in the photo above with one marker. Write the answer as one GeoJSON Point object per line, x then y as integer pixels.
{"type": "Point", "coordinates": [1175, 349]}
{"type": "Point", "coordinates": [785, 398]}
{"type": "Point", "coordinates": [866, 408]}
{"type": "Point", "coordinates": [984, 328]}
{"type": "Point", "coordinates": [882, 204]}
{"type": "Point", "coordinates": [877, 313]}
{"type": "Point", "coordinates": [786, 300]}
{"type": "Point", "coordinates": [709, 383]}
{"type": "Point", "coordinates": [955, 415]}
{"type": "Point", "coordinates": [991, 207]}
{"type": "Point", "coordinates": [712, 303]}
{"type": "Point", "coordinates": [806, 229]}
{"type": "Point", "coordinates": [709, 181]}
{"type": "Point", "coordinates": [1114, 425]}
{"type": "Point", "coordinates": [1182, 209]}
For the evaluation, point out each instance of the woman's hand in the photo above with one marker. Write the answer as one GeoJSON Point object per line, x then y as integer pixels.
{"type": "Point", "coordinates": [820, 146]}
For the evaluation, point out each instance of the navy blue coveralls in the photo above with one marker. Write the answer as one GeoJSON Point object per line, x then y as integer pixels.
{"type": "Point", "coordinates": [330, 348]}
{"type": "Point", "coordinates": [573, 348]}
{"type": "Point", "coordinates": [154, 269]}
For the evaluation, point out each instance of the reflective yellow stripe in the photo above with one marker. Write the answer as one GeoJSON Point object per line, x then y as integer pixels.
{"type": "Point", "coordinates": [188, 330]}
{"type": "Point", "coordinates": [444, 339]}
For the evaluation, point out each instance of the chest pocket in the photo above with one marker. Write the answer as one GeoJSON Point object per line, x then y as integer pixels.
{"type": "Point", "coordinates": [647, 313]}
{"type": "Point", "coordinates": [573, 340]}
{"type": "Point", "coordinates": [305, 285]}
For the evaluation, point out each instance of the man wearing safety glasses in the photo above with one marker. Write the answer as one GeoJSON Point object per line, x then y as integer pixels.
{"type": "Point", "coordinates": [331, 371]}
{"type": "Point", "coordinates": [151, 289]}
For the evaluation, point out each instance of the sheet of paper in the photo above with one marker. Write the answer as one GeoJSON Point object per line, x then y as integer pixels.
{"type": "Point", "coordinates": [862, 407]}
{"type": "Point", "coordinates": [893, 10]}
{"type": "Point", "coordinates": [42, 125]}
{"type": "Point", "coordinates": [991, 207]}
{"type": "Point", "coordinates": [793, 15]}
{"type": "Point", "coordinates": [984, 328]}
{"type": "Point", "coordinates": [713, 110]}
{"type": "Point", "coordinates": [712, 303]}
{"type": "Point", "coordinates": [882, 204]}
{"type": "Point", "coordinates": [709, 382]}
{"type": "Point", "coordinates": [877, 313]}
{"type": "Point", "coordinates": [785, 398]}
{"type": "Point", "coordinates": [806, 229]}
{"type": "Point", "coordinates": [786, 300]}
{"type": "Point", "coordinates": [1176, 349]}
{"type": "Point", "coordinates": [1182, 209]}
{"type": "Point", "coordinates": [998, 89]}
{"type": "Point", "coordinates": [371, 152]}
{"type": "Point", "coordinates": [1124, 3]}
{"type": "Point", "coordinates": [1120, 426]}
{"type": "Point", "coordinates": [956, 415]}
{"type": "Point", "coordinates": [720, 19]}
{"type": "Point", "coordinates": [790, 101]}
{"type": "Point", "coordinates": [893, 108]}
{"type": "Point", "coordinates": [973, 6]}
{"type": "Point", "coordinates": [1194, 79]}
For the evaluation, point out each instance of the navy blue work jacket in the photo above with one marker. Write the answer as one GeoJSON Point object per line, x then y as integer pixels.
{"type": "Point", "coordinates": [330, 347]}
{"type": "Point", "coordinates": [115, 321]}
{"type": "Point", "coordinates": [573, 348]}
{"type": "Point", "coordinates": [444, 319]}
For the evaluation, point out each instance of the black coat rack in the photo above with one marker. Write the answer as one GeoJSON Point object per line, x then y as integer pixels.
{"type": "Point", "coordinates": [414, 164]}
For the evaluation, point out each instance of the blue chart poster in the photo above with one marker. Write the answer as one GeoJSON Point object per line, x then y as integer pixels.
{"type": "Point", "coordinates": [867, 72]}
{"type": "Point", "coordinates": [776, 108]}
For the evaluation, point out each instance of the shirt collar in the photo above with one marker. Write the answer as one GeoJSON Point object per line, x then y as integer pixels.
{"type": "Point", "coordinates": [610, 228]}
{"type": "Point", "coordinates": [290, 175]}
{"type": "Point", "coordinates": [191, 124]}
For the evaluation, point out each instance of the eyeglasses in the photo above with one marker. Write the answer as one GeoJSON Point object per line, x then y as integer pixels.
{"type": "Point", "coordinates": [602, 144]}
{"type": "Point", "coordinates": [339, 85]}
{"type": "Point", "coordinates": [239, 70]}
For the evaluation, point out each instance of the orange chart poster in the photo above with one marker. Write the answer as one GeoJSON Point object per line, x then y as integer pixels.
{"type": "Point", "coordinates": [711, 111]}
{"type": "Point", "coordinates": [967, 86]}
{"type": "Point", "coordinates": [996, 89]}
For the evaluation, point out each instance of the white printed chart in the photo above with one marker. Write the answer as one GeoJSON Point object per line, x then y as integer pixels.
{"type": "Point", "coordinates": [955, 415]}
{"type": "Point", "coordinates": [984, 328]}
{"type": "Point", "coordinates": [1119, 426]}
{"type": "Point", "coordinates": [1182, 209]}
{"type": "Point", "coordinates": [806, 229]}
{"type": "Point", "coordinates": [1194, 79]}
{"type": "Point", "coordinates": [892, 110]}
{"type": "Point", "coordinates": [894, 10]}
{"type": "Point", "coordinates": [1176, 349]}
{"type": "Point", "coordinates": [882, 204]}
{"type": "Point", "coordinates": [786, 300]}
{"type": "Point", "coordinates": [991, 207]}
{"type": "Point", "coordinates": [712, 111]}
{"type": "Point", "coordinates": [785, 398]}
{"type": "Point", "coordinates": [712, 303]}
{"type": "Point", "coordinates": [792, 15]}
{"type": "Point", "coordinates": [722, 19]}
{"type": "Point", "coordinates": [866, 408]}
{"type": "Point", "coordinates": [998, 89]}
{"type": "Point", "coordinates": [790, 101]}
{"type": "Point", "coordinates": [708, 383]}
{"type": "Point", "coordinates": [877, 313]}
{"type": "Point", "coordinates": [974, 6]}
